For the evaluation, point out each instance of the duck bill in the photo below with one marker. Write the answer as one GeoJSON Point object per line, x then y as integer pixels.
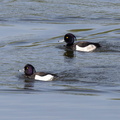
{"type": "Point", "coordinates": [21, 71]}
{"type": "Point", "coordinates": [61, 41]}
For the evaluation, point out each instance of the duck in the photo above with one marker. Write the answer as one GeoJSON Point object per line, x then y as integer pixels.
{"type": "Point", "coordinates": [30, 72]}
{"type": "Point", "coordinates": [69, 38]}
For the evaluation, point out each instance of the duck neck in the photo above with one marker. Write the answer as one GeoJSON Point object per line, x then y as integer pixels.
{"type": "Point", "coordinates": [69, 44]}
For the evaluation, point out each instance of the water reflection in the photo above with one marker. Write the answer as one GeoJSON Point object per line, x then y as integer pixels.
{"type": "Point", "coordinates": [69, 53]}
{"type": "Point", "coordinates": [28, 83]}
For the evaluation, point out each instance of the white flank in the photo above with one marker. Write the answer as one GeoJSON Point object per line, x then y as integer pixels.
{"type": "Point", "coordinates": [44, 78]}
{"type": "Point", "coordinates": [88, 48]}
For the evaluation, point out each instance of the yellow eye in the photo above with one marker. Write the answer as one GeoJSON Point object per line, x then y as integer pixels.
{"type": "Point", "coordinates": [66, 37]}
{"type": "Point", "coordinates": [26, 67]}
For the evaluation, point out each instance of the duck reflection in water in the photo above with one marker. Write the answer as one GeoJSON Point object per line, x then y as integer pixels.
{"type": "Point", "coordinates": [29, 83]}
{"type": "Point", "coordinates": [69, 53]}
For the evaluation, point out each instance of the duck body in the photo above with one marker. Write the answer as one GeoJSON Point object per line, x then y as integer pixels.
{"type": "Point", "coordinates": [41, 76]}
{"type": "Point", "coordinates": [86, 46]}
{"type": "Point", "coordinates": [79, 46]}
{"type": "Point", "coordinates": [30, 72]}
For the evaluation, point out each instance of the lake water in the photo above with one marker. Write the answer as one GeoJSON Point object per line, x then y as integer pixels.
{"type": "Point", "coordinates": [88, 86]}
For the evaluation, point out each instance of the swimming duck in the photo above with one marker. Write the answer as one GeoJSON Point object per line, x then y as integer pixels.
{"type": "Point", "coordinates": [69, 38]}
{"type": "Point", "coordinates": [30, 72]}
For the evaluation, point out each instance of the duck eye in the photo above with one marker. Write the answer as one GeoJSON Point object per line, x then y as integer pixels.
{"type": "Point", "coordinates": [67, 37]}
{"type": "Point", "coordinates": [27, 68]}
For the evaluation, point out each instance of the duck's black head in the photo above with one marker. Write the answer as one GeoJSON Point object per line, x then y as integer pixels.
{"type": "Point", "coordinates": [29, 70]}
{"type": "Point", "coordinates": [69, 39]}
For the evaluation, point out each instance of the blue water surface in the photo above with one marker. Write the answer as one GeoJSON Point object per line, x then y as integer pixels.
{"type": "Point", "coordinates": [88, 84]}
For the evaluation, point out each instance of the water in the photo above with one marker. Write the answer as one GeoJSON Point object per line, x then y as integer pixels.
{"type": "Point", "coordinates": [88, 86]}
